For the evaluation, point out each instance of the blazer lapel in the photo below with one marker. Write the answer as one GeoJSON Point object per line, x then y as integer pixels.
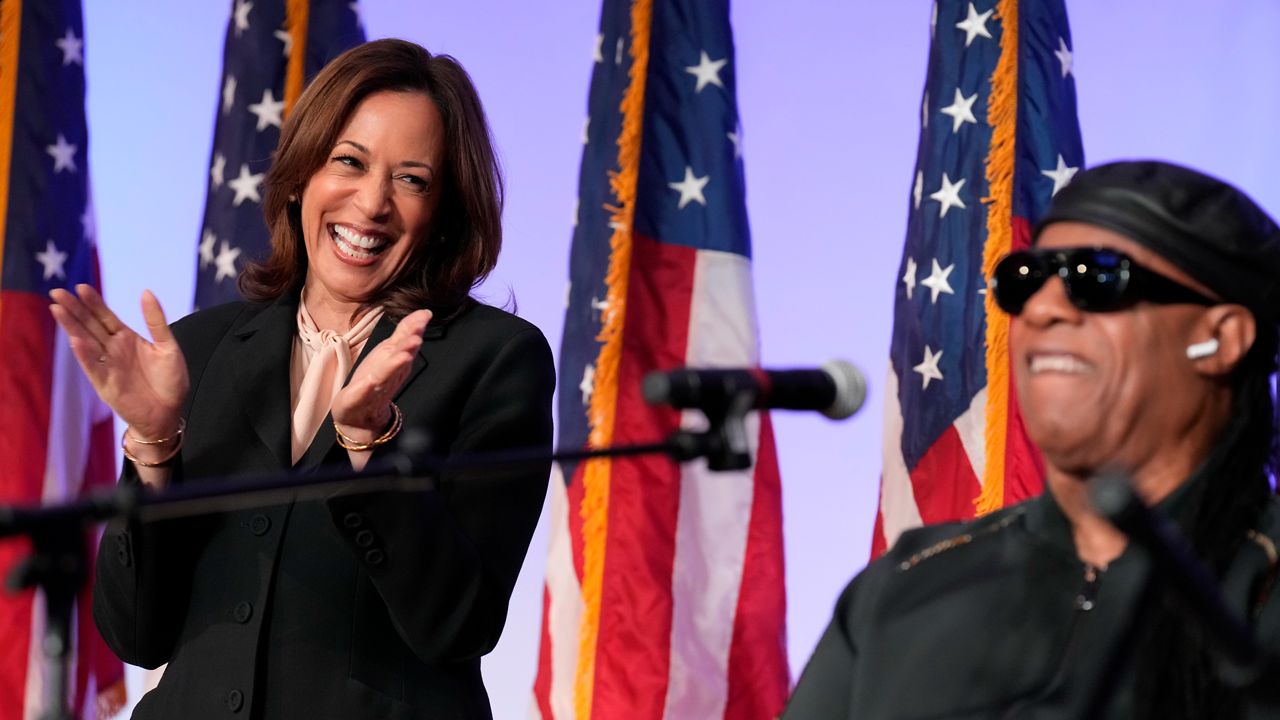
{"type": "Point", "coordinates": [262, 373]}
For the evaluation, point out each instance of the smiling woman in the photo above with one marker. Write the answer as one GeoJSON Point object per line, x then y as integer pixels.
{"type": "Point", "coordinates": [383, 205]}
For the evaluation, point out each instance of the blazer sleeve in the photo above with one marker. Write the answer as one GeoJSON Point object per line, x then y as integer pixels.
{"type": "Point", "coordinates": [445, 561]}
{"type": "Point", "coordinates": [142, 579]}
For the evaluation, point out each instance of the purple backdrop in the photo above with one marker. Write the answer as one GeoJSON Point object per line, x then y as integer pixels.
{"type": "Point", "coordinates": [830, 97]}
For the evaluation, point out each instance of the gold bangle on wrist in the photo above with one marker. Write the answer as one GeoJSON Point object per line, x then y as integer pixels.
{"type": "Point", "coordinates": [175, 438]}
{"type": "Point", "coordinates": [182, 426]}
{"type": "Point", "coordinates": [346, 443]}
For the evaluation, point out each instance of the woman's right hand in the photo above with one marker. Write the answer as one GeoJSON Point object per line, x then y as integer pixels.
{"type": "Point", "coordinates": [145, 383]}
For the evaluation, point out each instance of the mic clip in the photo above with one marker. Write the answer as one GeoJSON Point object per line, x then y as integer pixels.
{"type": "Point", "coordinates": [724, 443]}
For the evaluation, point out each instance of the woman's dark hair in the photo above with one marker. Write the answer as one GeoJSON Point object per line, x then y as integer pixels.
{"type": "Point", "coordinates": [466, 230]}
{"type": "Point", "coordinates": [1176, 675]}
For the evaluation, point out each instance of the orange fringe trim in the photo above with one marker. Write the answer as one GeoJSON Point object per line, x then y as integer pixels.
{"type": "Point", "coordinates": [111, 700]}
{"type": "Point", "coordinates": [1002, 116]}
{"type": "Point", "coordinates": [295, 73]}
{"type": "Point", "coordinates": [596, 477]}
{"type": "Point", "coordinates": [10, 39]}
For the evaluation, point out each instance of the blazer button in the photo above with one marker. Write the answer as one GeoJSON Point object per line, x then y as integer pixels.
{"type": "Point", "coordinates": [364, 538]}
{"type": "Point", "coordinates": [235, 701]}
{"type": "Point", "coordinates": [259, 524]}
{"type": "Point", "coordinates": [353, 520]}
{"type": "Point", "coordinates": [122, 554]}
{"type": "Point", "coordinates": [375, 557]}
{"type": "Point", "coordinates": [242, 612]}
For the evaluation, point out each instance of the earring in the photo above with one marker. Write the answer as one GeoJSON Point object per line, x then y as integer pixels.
{"type": "Point", "coordinates": [1195, 351]}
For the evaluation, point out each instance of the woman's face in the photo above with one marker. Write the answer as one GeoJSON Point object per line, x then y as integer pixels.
{"type": "Point", "coordinates": [372, 201]}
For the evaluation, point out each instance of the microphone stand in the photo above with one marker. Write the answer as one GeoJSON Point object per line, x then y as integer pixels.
{"type": "Point", "coordinates": [1242, 663]}
{"type": "Point", "coordinates": [58, 563]}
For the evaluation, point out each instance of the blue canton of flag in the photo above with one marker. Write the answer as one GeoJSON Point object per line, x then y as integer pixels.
{"type": "Point", "coordinates": [261, 38]}
{"type": "Point", "coordinates": [998, 138]}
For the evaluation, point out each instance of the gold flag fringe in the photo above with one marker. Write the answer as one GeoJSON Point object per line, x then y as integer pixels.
{"type": "Point", "coordinates": [10, 40]}
{"type": "Point", "coordinates": [296, 15]}
{"type": "Point", "coordinates": [596, 476]}
{"type": "Point", "coordinates": [1002, 116]}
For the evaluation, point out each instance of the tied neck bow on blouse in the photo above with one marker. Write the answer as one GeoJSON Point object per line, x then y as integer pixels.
{"type": "Point", "coordinates": [322, 359]}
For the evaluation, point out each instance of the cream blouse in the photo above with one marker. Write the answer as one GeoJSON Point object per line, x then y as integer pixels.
{"type": "Point", "coordinates": [321, 361]}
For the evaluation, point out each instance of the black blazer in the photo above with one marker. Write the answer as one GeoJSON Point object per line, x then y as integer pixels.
{"type": "Point", "coordinates": [363, 605]}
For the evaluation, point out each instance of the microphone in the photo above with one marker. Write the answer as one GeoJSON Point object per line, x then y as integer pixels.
{"type": "Point", "coordinates": [837, 389]}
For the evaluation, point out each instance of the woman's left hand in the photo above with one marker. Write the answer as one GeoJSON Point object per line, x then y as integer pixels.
{"type": "Point", "coordinates": [362, 409]}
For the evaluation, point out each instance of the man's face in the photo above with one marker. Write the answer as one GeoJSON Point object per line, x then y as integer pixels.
{"type": "Point", "coordinates": [1104, 389]}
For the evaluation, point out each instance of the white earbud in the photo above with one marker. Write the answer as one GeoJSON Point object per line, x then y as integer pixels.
{"type": "Point", "coordinates": [1195, 351]}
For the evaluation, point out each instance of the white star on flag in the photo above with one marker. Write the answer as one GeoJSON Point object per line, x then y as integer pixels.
{"type": "Point", "coordinates": [72, 49]}
{"type": "Point", "coordinates": [917, 190]}
{"type": "Point", "coordinates": [598, 54]}
{"type": "Point", "coordinates": [246, 186]}
{"type": "Point", "coordinates": [226, 261]}
{"type": "Point", "coordinates": [270, 111]}
{"type": "Point", "coordinates": [207, 241]}
{"type": "Point", "coordinates": [64, 155]}
{"type": "Point", "coordinates": [586, 129]}
{"type": "Point", "coordinates": [215, 171]}
{"type": "Point", "coordinates": [948, 195]}
{"type": "Point", "coordinates": [974, 25]}
{"type": "Point", "coordinates": [1061, 175]}
{"type": "Point", "coordinates": [1063, 53]}
{"type": "Point", "coordinates": [736, 139]}
{"type": "Point", "coordinates": [602, 307]}
{"type": "Point", "coordinates": [909, 277]}
{"type": "Point", "coordinates": [355, 10]}
{"type": "Point", "coordinates": [928, 368]}
{"type": "Point", "coordinates": [617, 53]}
{"type": "Point", "coordinates": [241, 13]}
{"type": "Point", "coordinates": [690, 188]}
{"type": "Point", "coordinates": [937, 281]}
{"type": "Point", "coordinates": [961, 110]}
{"type": "Point", "coordinates": [228, 94]}
{"type": "Point", "coordinates": [924, 111]}
{"type": "Point", "coordinates": [707, 71]}
{"type": "Point", "coordinates": [285, 37]}
{"type": "Point", "coordinates": [53, 261]}
{"type": "Point", "coordinates": [588, 384]}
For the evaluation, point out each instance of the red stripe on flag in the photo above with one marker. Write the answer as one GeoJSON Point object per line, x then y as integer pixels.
{"type": "Point", "coordinates": [633, 650]}
{"type": "Point", "coordinates": [943, 481]}
{"type": "Point", "coordinates": [1023, 465]}
{"type": "Point", "coordinates": [26, 334]}
{"type": "Point", "coordinates": [878, 542]}
{"type": "Point", "coordinates": [542, 682]}
{"type": "Point", "coordinates": [759, 680]}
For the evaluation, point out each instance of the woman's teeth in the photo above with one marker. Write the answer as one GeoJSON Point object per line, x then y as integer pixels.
{"type": "Point", "coordinates": [355, 245]}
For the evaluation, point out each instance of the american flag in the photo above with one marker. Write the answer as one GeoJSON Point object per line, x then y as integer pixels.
{"type": "Point", "coordinates": [58, 439]}
{"type": "Point", "coordinates": [272, 48]}
{"type": "Point", "coordinates": [998, 138]}
{"type": "Point", "coordinates": [664, 594]}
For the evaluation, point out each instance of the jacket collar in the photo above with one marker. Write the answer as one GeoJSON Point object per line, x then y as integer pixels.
{"type": "Point", "coordinates": [263, 375]}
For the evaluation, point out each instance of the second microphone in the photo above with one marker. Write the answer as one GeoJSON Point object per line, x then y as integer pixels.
{"type": "Point", "coordinates": [837, 389]}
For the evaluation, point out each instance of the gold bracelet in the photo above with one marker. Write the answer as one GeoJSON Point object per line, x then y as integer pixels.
{"type": "Point", "coordinates": [177, 447]}
{"type": "Point", "coordinates": [182, 426]}
{"type": "Point", "coordinates": [346, 443]}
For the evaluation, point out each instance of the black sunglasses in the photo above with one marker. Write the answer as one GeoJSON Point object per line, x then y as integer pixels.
{"type": "Point", "coordinates": [1096, 280]}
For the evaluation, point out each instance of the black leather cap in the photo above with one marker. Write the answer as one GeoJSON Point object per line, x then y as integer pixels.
{"type": "Point", "coordinates": [1206, 227]}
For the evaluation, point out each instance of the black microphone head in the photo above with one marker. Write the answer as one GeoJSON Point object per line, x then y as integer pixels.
{"type": "Point", "coordinates": [851, 389]}
{"type": "Point", "coordinates": [1112, 496]}
{"type": "Point", "coordinates": [656, 388]}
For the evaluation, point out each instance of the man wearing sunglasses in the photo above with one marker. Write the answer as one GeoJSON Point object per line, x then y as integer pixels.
{"type": "Point", "coordinates": [1143, 339]}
